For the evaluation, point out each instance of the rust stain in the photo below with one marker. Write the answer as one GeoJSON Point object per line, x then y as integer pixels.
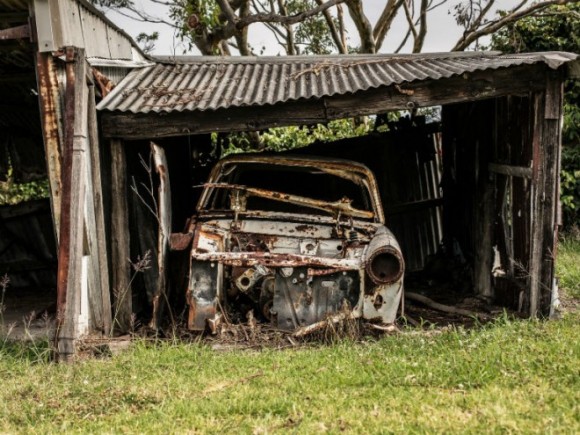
{"type": "Point", "coordinates": [180, 241]}
{"type": "Point", "coordinates": [65, 212]}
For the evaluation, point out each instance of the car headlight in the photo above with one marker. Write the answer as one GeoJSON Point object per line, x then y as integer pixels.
{"type": "Point", "coordinates": [385, 265]}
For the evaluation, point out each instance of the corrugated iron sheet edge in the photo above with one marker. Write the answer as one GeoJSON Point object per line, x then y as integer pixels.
{"type": "Point", "coordinates": [443, 65]}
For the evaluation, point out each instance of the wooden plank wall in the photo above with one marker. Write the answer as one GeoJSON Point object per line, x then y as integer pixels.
{"type": "Point", "coordinates": [467, 190]}
{"type": "Point", "coordinates": [513, 149]}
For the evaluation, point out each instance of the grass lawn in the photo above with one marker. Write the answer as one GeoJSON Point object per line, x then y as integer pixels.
{"type": "Point", "coordinates": [509, 376]}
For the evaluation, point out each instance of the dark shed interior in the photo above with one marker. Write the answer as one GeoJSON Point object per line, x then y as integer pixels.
{"type": "Point", "coordinates": [473, 199]}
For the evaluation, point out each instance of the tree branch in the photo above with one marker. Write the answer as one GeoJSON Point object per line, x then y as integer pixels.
{"type": "Point", "coordinates": [418, 44]}
{"type": "Point", "coordinates": [384, 22]}
{"type": "Point", "coordinates": [292, 19]}
{"type": "Point", "coordinates": [333, 30]}
{"type": "Point", "coordinates": [511, 17]}
{"type": "Point", "coordinates": [363, 26]}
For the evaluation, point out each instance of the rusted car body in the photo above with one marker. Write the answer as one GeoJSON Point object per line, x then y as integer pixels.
{"type": "Point", "coordinates": [295, 239]}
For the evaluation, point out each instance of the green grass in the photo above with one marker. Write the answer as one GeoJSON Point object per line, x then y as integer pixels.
{"type": "Point", "coordinates": [508, 376]}
{"type": "Point", "coordinates": [568, 266]}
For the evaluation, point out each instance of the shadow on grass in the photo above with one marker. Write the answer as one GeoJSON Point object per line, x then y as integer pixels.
{"type": "Point", "coordinates": [36, 352]}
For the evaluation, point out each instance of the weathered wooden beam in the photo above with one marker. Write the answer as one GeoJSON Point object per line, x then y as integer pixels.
{"type": "Point", "coordinates": [470, 86]}
{"type": "Point", "coordinates": [513, 171]}
{"type": "Point", "coordinates": [99, 289]}
{"type": "Point", "coordinates": [537, 218]}
{"type": "Point", "coordinates": [70, 255]}
{"type": "Point", "coordinates": [120, 248]}
{"type": "Point", "coordinates": [483, 216]}
{"type": "Point", "coordinates": [551, 144]}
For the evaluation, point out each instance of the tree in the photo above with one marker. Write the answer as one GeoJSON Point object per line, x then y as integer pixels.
{"type": "Point", "coordinates": [218, 26]}
{"type": "Point", "coordinates": [556, 29]}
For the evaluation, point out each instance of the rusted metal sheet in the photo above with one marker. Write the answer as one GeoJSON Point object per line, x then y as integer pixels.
{"type": "Point", "coordinates": [211, 83]}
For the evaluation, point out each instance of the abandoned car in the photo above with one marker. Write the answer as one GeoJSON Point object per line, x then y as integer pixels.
{"type": "Point", "coordinates": [293, 239]}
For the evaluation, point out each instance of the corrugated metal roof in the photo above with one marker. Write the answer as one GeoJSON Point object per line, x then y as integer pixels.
{"type": "Point", "coordinates": [209, 83]}
{"type": "Point", "coordinates": [14, 5]}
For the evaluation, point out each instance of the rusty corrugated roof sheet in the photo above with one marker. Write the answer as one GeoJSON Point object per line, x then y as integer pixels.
{"type": "Point", "coordinates": [210, 83]}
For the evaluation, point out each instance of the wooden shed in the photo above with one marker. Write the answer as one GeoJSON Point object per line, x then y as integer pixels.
{"type": "Point", "coordinates": [482, 182]}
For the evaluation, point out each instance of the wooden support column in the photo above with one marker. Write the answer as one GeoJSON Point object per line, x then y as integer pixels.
{"type": "Point", "coordinates": [70, 254]}
{"type": "Point", "coordinates": [551, 144]}
{"type": "Point", "coordinates": [120, 248]}
{"type": "Point", "coordinates": [537, 209]}
{"type": "Point", "coordinates": [99, 289]}
{"type": "Point", "coordinates": [545, 185]}
{"type": "Point", "coordinates": [50, 111]}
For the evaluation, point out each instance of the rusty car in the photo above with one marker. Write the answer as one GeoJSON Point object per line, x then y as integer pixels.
{"type": "Point", "coordinates": [293, 239]}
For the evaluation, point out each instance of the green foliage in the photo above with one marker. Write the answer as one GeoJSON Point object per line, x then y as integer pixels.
{"type": "Point", "coordinates": [147, 41]}
{"type": "Point", "coordinates": [14, 193]}
{"type": "Point", "coordinates": [287, 138]}
{"type": "Point", "coordinates": [312, 36]}
{"type": "Point", "coordinates": [558, 29]}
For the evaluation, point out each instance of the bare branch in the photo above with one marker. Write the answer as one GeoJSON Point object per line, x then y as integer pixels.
{"type": "Point", "coordinates": [292, 19]}
{"type": "Point", "coordinates": [385, 20]}
{"type": "Point", "coordinates": [333, 30]}
{"type": "Point", "coordinates": [510, 17]}
{"type": "Point", "coordinates": [289, 37]}
{"type": "Point", "coordinates": [340, 17]}
{"type": "Point", "coordinates": [409, 16]}
{"type": "Point", "coordinates": [418, 44]}
{"type": "Point", "coordinates": [363, 26]}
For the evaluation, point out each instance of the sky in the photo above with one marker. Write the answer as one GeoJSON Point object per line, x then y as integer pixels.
{"type": "Point", "coordinates": [442, 33]}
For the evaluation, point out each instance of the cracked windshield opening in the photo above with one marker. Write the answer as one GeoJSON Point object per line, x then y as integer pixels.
{"type": "Point", "coordinates": [307, 182]}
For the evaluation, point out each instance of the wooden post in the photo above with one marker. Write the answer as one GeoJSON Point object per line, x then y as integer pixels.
{"type": "Point", "coordinates": [538, 192]}
{"type": "Point", "coordinates": [72, 205]}
{"type": "Point", "coordinates": [99, 290]}
{"type": "Point", "coordinates": [551, 143]}
{"type": "Point", "coordinates": [483, 201]}
{"type": "Point", "coordinates": [120, 248]}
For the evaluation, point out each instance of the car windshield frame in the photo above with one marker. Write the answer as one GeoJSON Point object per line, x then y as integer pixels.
{"type": "Point", "coordinates": [358, 174]}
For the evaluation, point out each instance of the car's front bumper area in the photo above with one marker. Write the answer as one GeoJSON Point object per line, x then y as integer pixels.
{"type": "Point", "coordinates": [290, 291]}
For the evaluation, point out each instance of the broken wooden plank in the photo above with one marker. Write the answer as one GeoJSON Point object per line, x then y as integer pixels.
{"type": "Point", "coordinates": [164, 233]}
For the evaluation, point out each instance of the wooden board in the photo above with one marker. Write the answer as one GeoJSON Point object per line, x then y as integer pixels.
{"type": "Point", "coordinates": [120, 248]}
